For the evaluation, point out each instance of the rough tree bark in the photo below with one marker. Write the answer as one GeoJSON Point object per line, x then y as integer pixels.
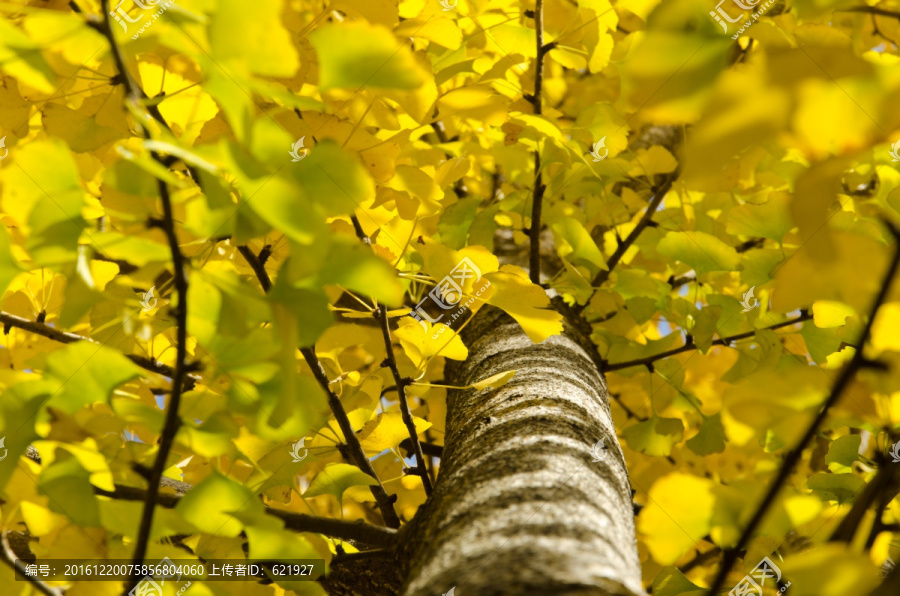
{"type": "Point", "coordinates": [519, 506]}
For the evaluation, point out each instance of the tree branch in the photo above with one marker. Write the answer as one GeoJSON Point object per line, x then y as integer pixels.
{"type": "Point", "coordinates": [258, 267]}
{"type": "Point", "coordinates": [298, 522]}
{"type": "Point", "coordinates": [623, 247]}
{"type": "Point", "coordinates": [872, 10]}
{"type": "Point", "coordinates": [537, 197]}
{"type": "Point", "coordinates": [796, 453]}
{"type": "Point", "coordinates": [405, 414]}
{"type": "Point", "coordinates": [358, 456]}
{"type": "Point", "coordinates": [724, 341]}
{"type": "Point", "coordinates": [44, 330]}
{"type": "Point", "coordinates": [429, 449]}
{"type": "Point", "coordinates": [9, 557]}
{"type": "Point", "coordinates": [385, 502]}
{"type": "Point", "coordinates": [172, 421]}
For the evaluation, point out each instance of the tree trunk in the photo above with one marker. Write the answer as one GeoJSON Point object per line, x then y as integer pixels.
{"type": "Point", "coordinates": [519, 506]}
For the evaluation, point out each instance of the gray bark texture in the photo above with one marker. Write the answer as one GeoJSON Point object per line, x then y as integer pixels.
{"type": "Point", "coordinates": [519, 506]}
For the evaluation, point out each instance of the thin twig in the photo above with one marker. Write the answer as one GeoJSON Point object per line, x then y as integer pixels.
{"type": "Point", "coordinates": [298, 522]}
{"type": "Point", "coordinates": [405, 414]}
{"type": "Point", "coordinates": [872, 10]}
{"type": "Point", "coordinates": [258, 267]}
{"type": "Point", "coordinates": [42, 329]}
{"type": "Point", "coordinates": [385, 502]}
{"type": "Point", "coordinates": [357, 455]}
{"type": "Point", "coordinates": [623, 247]}
{"type": "Point", "coordinates": [537, 198]}
{"type": "Point", "coordinates": [429, 449]}
{"type": "Point", "coordinates": [790, 461]}
{"type": "Point", "coordinates": [10, 558]}
{"type": "Point", "coordinates": [724, 341]}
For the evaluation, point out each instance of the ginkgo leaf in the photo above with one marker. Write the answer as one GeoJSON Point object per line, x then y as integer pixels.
{"type": "Point", "coordinates": [335, 479]}
{"type": "Point", "coordinates": [260, 45]}
{"type": "Point", "coordinates": [494, 381]}
{"type": "Point", "coordinates": [655, 436]}
{"type": "Point", "coordinates": [213, 504]}
{"type": "Point", "coordinates": [525, 302]}
{"type": "Point", "coordinates": [387, 431]}
{"type": "Point", "coordinates": [678, 514]}
{"type": "Point", "coordinates": [702, 251]}
{"type": "Point", "coordinates": [359, 54]}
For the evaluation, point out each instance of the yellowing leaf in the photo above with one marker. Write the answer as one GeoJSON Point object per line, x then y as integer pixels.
{"type": "Point", "coordinates": [494, 381]}
{"type": "Point", "coordinates": [387, 431]}
{"type": "Point", "coordinates": [830, 569]}
{"type": "Point", "coordinates": [527, 303]}
{"type": "Point", "coordinates": [334, 479]}
{"type": "Point", "coordinates": [677, 515]}
{"type": "Point", "coordinates": [353, 55]}
{"type": "Point", "coordinates": [655, 436]}
{"type": "Point", "coordinates": [260, 45]}
{"type": "Point", "coordinates": [702, 251]}
{"type": "Point", "coordinates": [212, 504]}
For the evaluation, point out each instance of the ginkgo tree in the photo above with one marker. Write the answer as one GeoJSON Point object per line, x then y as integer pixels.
{"type": "Point", "coordinates": [457, 296]}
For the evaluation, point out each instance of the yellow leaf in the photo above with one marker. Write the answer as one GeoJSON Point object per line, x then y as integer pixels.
{"type": "Point", "coordinates": [352, 55]}
{"type": "Point", "coordinates": [494, 381]}
{"type": "Point", "coordinates": [884, 330]}
{"type": "Point", "coordinates": [527, 303]}
{"type": "Point", "coordinates": [828, 313]}
{"type": "Point", "coordinates": [830, 569]}
{"type": "Point", "coordinates": [387, 431]}
{"type": "Point", "coordinates": [678, 514]}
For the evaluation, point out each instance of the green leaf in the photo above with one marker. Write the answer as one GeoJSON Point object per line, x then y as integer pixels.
{"type": "Point", "coordinates": [655, 436]}
{"type": "Point", "coordinates": [334, 479]}
{"type": "Point", "coordinates": [22, 58]}
{"type": "Point", "coordinates": [575, 244]}
{"type": "Point", "coordinates": [333, 179]}
{"type": "Point", "coordinates": [769, 220]}
{"type": "Point", "coordinates": [836, 487]}
{"type": "Point", "coordinates": [209, 505]}
{"type": "Point", "coordinates": [352, 55]}
{"type": "Point", "coordinates": [671, 582]}
{"type": "Point", "coordinates": [702, 251]}
{"type": "Point", "coordinates": [68, 486]}
{"type": "Point", "coordinates": [86, 373]}
{"type": "Point", "coordinates": [260, 45]}
{"type": "Point", "coordinates": [842, 453]}
{"type": "Point", "coordinates": [9, 267]}
{"type": "Point", "coordinates": [711, 438]}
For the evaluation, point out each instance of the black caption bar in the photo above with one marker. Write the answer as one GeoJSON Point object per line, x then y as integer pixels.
{"type": "Point", "coordinates": [174, 571]}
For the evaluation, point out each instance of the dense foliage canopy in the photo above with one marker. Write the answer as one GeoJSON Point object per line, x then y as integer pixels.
{"type": "Point", "coordinates": [218, 216]}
